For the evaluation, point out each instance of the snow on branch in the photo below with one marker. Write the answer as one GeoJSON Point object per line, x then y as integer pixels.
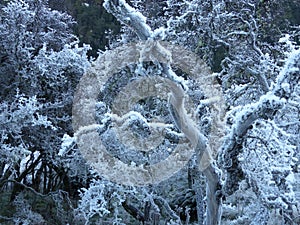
{"type": "Point", "coordinates": [136, 21]}
{"type": "Point", "coordinates": [130, 17]}
{"type": "Point", "coordinates": [289, 76]}
{"type": "Point", "coordinates": [265, 108]}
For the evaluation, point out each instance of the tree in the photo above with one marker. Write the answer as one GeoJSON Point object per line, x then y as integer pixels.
{"type": "Point", "coordinates": [40, 65]}
{"type": "Point", "coordinates": [252, 48]}
{"type": "Point", "coordinates": [260, 81]}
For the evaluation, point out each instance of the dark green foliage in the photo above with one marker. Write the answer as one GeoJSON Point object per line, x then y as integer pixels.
{"type": "Point", "coordinates": [93, 22]}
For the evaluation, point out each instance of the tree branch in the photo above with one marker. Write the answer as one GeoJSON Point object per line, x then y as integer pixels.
{"type": "Point", "coordinates": [136, 21]}
{"type": "Point", "coordinates": [133, 211]}
{"type": "Point", "coordinates": [265, 108]}
{"type": "Point", "coordinates": [129, 16]}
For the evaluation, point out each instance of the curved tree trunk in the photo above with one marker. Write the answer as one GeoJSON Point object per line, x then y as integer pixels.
{"type": "Point", "coordinates": [127, 15]}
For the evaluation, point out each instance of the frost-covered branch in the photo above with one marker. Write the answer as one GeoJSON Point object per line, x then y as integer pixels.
{"type": "Point", "coordinates": [136, 21]}
{"type": "Point", "coordinates": [125, 13]}
{"type": "Point", "coordinates": [265, 108]}
{"type": "Point", "coordinates": [130, 17]}
{"type": "Point", "coordinates": [163, 203]}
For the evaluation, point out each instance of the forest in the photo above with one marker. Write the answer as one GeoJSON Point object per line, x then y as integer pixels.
{"type": "Point", "coordinates": [132, 112]}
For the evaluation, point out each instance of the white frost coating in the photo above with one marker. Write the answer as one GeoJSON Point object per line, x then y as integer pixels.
{"type": "Point", "coordinates": [288, 43]}
{"type": "Point", "coordinates": [291, 178]}
{"type": "Point", "coordinates": [270, 100]}
{"type": "Point", "coordinates": [128, 15]}
{"type": "Point", "coordinates": [132, 115]}
{"type": "Point", "coordinates": [286, 87]}
{"type": "Point", "coordinates": [245, 115]}
{"type": "Point", "coordinates": [178, 79]}
{"type": "Point", "coordinates": [126, 135]}
{"type": "Point", "coordinates": [25, 162]}
{"type": "Point", "coordinates": [139, 16]}
{"type": "Point", "coordinates": [209, 101]}
{"type": "Point", "coordinates": [67, 141]}
{"type": "Point", "coordinates": [267, 129]}
{"type": "Point", "coordinates": [289, 67]}
{"type": "Point", "coordinates": [159, 33]}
